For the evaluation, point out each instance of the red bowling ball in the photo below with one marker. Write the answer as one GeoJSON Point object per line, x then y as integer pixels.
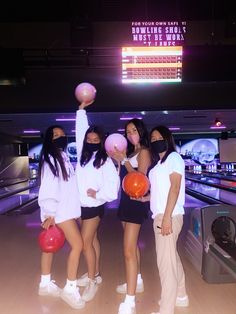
{"type": "Point", "coordinates": [51, 240]}
{"type": "Point", "coordinates": [135, 184]}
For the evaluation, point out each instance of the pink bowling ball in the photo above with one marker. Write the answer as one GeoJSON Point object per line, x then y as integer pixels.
{"type": "Point", "coordinates": [115, 140]}
{"type": "Point", "coordinates": [85, 92]}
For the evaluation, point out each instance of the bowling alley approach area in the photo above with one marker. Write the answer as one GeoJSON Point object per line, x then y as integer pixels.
{"type": "Point", "coordinates": [210, 275]}
{"type": "Point", "coordinates": [207, 243]}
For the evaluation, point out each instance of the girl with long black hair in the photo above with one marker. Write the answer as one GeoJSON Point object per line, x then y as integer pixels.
{"type": "Point", "coordinates": [131, 212]}
{"type": "Point", "coordinates": [98, 183]}
{"type": "Point", "coordinates": [167, 197]}
{"type": "Point", "coordinates": [59, 204]}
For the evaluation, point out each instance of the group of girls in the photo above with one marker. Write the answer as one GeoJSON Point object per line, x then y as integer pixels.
{"type": "Point", "coordinates": [66, 195]}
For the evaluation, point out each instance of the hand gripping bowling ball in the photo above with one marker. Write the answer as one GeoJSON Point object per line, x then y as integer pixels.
{"type": "Point", "coordinates": [135, 184]}
{"type": "Point", "coordinates": [85, 92]}
{"type": "Point", "coordinates": [51, 240]}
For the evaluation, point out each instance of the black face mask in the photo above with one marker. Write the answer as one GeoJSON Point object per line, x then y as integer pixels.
{"type": "Point", "coordinates": [158, 147]}
{"type": "Point", "coordinates": [61, 142]}
{"type": "Point", "coordinates": [92, 147]}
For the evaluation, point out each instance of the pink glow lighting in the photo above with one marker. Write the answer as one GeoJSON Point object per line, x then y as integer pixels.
{"type": "Point", "coordinates": [31, 131]}
{"type": "Point", "coordinates": [174, 128]}
{"type": "Point", "coordinates": [65, 119]}
{"type": "Point", "coordinates": [130, 118]}
{"type": "Point", "coordinates": [218, 127]}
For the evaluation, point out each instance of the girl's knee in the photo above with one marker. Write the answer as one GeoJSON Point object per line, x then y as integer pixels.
{"type": "Point", "coordinates": [87, 245]}
{"type": "Point", "coordinates": [77, 247]}
{"type": "Point", "coordinates": [130, 253]}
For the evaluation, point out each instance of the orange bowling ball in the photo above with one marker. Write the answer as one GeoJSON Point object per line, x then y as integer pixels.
{"type": "Point", "coordinates": [135, 184]}
{"type": "Point", "coordinates": [51, 240]}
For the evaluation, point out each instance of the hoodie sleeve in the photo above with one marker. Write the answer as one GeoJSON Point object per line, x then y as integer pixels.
{"type": "Point", "coordinates": [111, 182]}
{"type": "Point", "coordinates": [49, 192]}
{"type": "Point", "coordinates": [81, 127]}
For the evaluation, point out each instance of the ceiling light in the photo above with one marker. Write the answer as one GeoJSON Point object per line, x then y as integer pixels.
{"type": "Point", "coordinates": [218, 123]}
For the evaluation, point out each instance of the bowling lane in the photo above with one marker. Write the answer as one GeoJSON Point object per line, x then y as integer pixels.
{"type": "Point", "coordinates": [213, 181]}
{"type": "Point", "coordinates": [192, 202]}
{"type": "Point", "coordinates": [221, 195]}
{"type": "Point", "coordinates": [231, 176]}
{"type": "Point", "coordinates": [8, 188]}
{"type": "Point", "coordinates": [12, 202]}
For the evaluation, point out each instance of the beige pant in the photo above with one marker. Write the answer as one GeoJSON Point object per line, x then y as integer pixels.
{"type": "Point", "coordinates": [169, 264]}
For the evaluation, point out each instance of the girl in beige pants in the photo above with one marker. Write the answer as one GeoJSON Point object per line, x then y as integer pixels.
{"type": "Point", "coordinates": [169, 264]}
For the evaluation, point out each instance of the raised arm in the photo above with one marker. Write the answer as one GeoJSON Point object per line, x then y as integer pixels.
{"type": "Point", "coordinates": [81, 126]}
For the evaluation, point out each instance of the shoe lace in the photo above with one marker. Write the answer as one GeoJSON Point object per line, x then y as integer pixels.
{"type": "Point", "coordinates": [77, 296]}
{"type": "Point", "coordinates": [91, 285]}
{"type": "Point", "coordinates": [52, 284]}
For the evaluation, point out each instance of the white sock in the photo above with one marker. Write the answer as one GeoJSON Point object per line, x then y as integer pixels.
{"type": "Point", "coordinates": [70, 284]}
{"type": "Point", "coordinates": [130, 299]}
{"type": "Point", "coordinates": [45, 279]}
{"type": "Point", "coordinates": [139, 278]}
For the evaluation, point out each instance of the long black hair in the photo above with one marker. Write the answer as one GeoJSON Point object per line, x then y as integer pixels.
{"type": "Point", "coordinates": [167, 137]}
{"type": "Point", "coordinates": [143, 134]}
{"type": "Point", "coordinates": [101, 155]}
{"type": "Point", "coordinates": [50, 149]}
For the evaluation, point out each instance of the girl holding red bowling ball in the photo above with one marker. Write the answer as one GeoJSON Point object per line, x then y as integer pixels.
{"type": "Point", "coordinates": [167, 196]}
{"type": "Point", "coordinates": [132, 213]}
{"type": "Point", "coordinates": [59, 204]}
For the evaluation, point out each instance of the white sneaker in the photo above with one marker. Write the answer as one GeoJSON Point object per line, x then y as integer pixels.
{"type": "Point", "coordinates": [84, 280]}
{"type": "Point", "coordinates": [72, 298]}
{"type": "Point", "coordinates": [126, 308]}
{"type": "Point", "coordinates": [90, 290]}
{"type": "Point", "coordinates": [51, 289]}
{"type": "Point", "coordinates": [123, 288]}
{"type": "Point", "coordinates": [182, 301]}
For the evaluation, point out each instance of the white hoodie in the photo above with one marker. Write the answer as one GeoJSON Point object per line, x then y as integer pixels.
{"type": "Point", "coordinates": [59, 198]}
{"type": "Point", "coordinates": [104, 180]}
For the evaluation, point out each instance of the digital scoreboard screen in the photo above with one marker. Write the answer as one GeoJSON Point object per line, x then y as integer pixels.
{"type": "Point", "coordinates": [152, 64]}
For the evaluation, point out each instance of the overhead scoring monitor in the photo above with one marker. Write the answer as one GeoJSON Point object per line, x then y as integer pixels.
{"type": "Point", "coordinates": [152, 64]}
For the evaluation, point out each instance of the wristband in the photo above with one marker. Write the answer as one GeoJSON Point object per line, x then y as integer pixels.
{"type": "Point", "coordinates": [124, 161]}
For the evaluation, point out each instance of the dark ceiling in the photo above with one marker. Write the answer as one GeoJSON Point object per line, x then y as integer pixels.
{"type": "Point", "coordinates": [115, 10]}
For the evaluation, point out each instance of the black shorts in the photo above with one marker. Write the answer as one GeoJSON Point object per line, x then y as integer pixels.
{"type": "Point", "coordinates": [91, 212]}
{"type": "Point", "coordinates": [132, 211]}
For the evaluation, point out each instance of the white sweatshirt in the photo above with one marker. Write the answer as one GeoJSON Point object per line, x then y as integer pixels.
{"type": "Point", "coordinates": [104, 180]}
{"type": "Point", "coordinates": [59, 198]}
